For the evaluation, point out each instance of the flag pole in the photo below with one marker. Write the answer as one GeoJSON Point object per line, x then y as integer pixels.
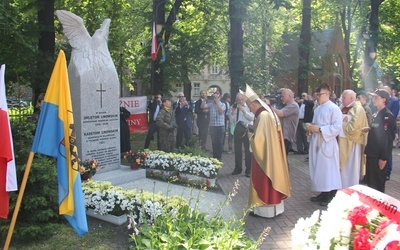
{"type": "Point", "coordinates": [20, 195]}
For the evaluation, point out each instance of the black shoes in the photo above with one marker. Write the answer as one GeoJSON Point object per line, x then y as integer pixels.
{"type": "Point", "coordinates": [236, 172]}
{"type": "Point", "coordinates": [321, 197]}
{"type": "Point", "coordinates": [247, 172]}
{"type": "Point", "coordinates": [324, 198]}
{"type": "Point", "coordinates": [324, 203]}
{"type": "Point", "coordinates": [252, 214]}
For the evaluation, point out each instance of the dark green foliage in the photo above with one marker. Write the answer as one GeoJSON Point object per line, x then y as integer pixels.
{"type": "Point", "coordinates": [191, 229]}
{"type": "Point", "coordinates": [23, 130]}
{"type": "Point", "coordinates": [38, 215]}
{"type": "Point", "coordinates": [195, 150]}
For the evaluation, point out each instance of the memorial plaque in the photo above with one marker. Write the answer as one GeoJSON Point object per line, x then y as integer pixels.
{"type": "Point", "coordinates": [94, 88]}
{"type": "Point", "coordinates": [97, 123]}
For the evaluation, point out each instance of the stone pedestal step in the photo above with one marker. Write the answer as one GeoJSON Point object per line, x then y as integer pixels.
{"type": "Point", "coordinates": [127, 178]}
{"type": "Point", "coordinates": [121, 176]}
{"type": "Point", "coordinates": [208, 202]}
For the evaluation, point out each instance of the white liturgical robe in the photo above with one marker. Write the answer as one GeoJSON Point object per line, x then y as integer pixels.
{"type": "Point", "coordinates": [324, 150]}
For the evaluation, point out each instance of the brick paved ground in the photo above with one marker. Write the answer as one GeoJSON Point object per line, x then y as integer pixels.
{"type": "Point", "coordinates": [299, 205]}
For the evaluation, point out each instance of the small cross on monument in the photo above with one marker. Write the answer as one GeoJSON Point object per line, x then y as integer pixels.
{"type": "Point", "coordinates": [101, 90]}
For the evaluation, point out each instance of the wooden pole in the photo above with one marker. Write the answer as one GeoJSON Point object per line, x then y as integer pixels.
{"type": "Point", "coordinates": [18, 205]}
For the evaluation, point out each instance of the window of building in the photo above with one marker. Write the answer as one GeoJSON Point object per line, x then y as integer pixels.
{"type": "Point", "coordinates": [337, 66]}
{"type": "Point", "coordinates": [214, 69]}
{"type": "Point", "coordinates": [338, 85]}
{"type": "Point", "coordinates": [196, 89]}
{"type": "Point", "coordinates": [179, 87]}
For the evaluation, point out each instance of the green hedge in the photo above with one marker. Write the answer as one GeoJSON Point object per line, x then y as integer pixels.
{"type": "Point", "coordinates": [38, 216]}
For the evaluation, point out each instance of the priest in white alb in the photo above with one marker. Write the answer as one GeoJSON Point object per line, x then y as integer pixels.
{"type": "Point", "coordinates": [324, 163]}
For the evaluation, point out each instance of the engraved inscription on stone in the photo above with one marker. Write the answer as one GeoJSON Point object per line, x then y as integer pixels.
{"type": "Point", "coordinates": [94, 88]}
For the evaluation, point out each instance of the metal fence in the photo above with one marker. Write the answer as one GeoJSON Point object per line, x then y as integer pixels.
{"type": "Point", "coordinates": [20, 113]}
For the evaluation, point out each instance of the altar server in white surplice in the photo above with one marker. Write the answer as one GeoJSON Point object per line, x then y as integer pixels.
{"type": "Point", "coordinates": [324, 149]}
{"type": "Point", "coordinates": [352, 141]}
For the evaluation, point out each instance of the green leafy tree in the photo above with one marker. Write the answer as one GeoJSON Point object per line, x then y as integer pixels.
{"type": "Point", "coordinates": [388, 57]}
{"type": "Point", "coordinates": [197, 39]}
{"type": "Point", "coordinates": [18, 40]}
{"type": "Point", "coordinates": [264, 27]}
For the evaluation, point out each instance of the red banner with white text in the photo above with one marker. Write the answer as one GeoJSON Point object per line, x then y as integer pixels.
{"type": "Point", "coordinates": [137, 105]}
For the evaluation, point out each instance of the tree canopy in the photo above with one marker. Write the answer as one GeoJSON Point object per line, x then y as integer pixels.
{"type": "Point", "coordinates": [200, 37]}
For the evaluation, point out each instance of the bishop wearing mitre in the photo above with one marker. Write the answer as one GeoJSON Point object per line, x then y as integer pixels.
{"type": "Point", "coordinates": [270, 181]}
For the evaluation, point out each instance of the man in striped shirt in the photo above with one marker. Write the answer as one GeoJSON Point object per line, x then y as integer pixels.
{"type": "Point", "coordinates": [217, 123]}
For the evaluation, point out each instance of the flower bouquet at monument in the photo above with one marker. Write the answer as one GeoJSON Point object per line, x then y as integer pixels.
{"type": "Point", "coordinates": [358, 218]}
{"type": "Point", "coordinates": [135, 158]}
{"type": "Point", "coordinates": [88, 168]}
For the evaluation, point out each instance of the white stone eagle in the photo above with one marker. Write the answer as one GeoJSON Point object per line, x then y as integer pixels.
{"type": "Point", "coordinates": [90, 54]}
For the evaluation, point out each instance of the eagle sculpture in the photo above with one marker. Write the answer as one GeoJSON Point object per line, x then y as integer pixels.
{"type": "Point", "coordinates": [90, 54]}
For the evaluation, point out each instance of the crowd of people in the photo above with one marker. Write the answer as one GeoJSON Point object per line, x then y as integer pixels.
{"type": "Point", "coordinates": [348, 140]}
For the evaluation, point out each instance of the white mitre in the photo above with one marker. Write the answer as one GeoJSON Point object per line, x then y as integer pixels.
{"type": "Point", "coordinates": [251, 96]}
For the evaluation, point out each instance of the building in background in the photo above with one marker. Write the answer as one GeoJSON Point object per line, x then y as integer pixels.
{"type": "Point", "coordinates": [327, 59]}
{"type": "Point", "coordinates": [211, 79]}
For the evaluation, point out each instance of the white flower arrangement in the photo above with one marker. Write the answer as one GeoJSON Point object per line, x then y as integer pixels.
{"type": "Point", "coordinates": [357, 218]}
{"type": "Point", "coordinates": [105, 198]}
{"type": "Point", "coordinates": [185, 164]}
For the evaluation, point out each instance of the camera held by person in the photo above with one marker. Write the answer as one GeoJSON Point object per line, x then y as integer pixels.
{"type": "Point", "coordinates": [159, 99]}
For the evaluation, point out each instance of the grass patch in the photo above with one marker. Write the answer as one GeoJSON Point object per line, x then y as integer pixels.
{"type": "Point", "coordinates": [101, 235]}
{"type": "Point", "coordinates": [138, 139]}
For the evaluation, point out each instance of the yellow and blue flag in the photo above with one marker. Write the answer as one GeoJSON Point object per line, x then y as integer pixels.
{"type": "Point", "coordinates": [163, 53]}
{"type": "Point", "coordinates": [55, 136]}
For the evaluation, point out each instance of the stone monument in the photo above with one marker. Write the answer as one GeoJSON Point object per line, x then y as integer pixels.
{"type": "Point", "coordinates": [94, 88]}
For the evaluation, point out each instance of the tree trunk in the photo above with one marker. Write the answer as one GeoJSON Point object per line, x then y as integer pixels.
{"type": "Point", "coordinates": [156, 70]}
{"type": "Point", "coordinates": [157, 76]}
{"type": "Point", "coordinates": [304, 48]}
{"type": "Point", "coordinates": [370, 77]}
{"type": "Point", "coordinates": [187, 84]}
{"type": "Point", "coordinates": [236, 66]}
{"type": "Point", "coordinates": [346, 16]}
{"type": "Point", "coordinates": [171, 19]}
{"type": "Point", "coordinates": [46, 46]}
{"type": "Point", "coordinates": [264, 28]}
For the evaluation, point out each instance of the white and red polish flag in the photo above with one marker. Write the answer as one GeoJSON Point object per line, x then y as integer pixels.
{"type": "Point", "coordinates": [8, 177]}
{"type": "Point", "coordinates": [154, 43]}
